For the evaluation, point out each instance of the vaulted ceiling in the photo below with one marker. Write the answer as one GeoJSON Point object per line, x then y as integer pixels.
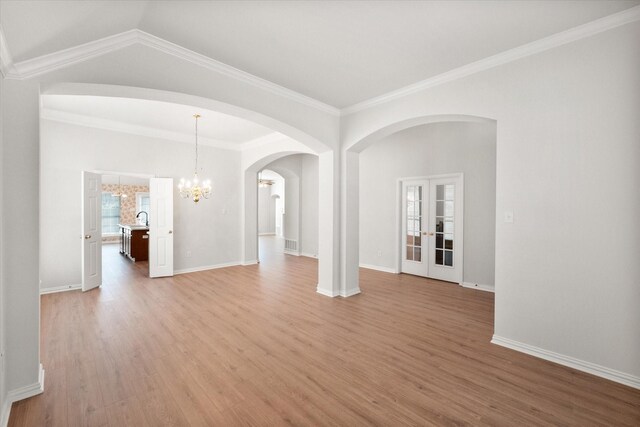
{"type": "Point", "coordinates": [338, 52]}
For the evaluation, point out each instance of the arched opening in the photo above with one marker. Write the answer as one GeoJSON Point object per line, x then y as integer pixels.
{"type": "Point", "coordinates": [299, 205]}
{"type": "Point", "coordinates": [112, 143]}
{"type": "Point", "coordinates": [271, 212]}
{"type": "Point", "coordinates": [396, 229]}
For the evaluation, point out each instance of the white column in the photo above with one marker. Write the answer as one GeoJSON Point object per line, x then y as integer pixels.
{"type": "Point", "coordinates": [350, 225]}
{"type": "Point", "coordinates": [250, 212]}
{"type": "Point", "coordinates": [329, 224]}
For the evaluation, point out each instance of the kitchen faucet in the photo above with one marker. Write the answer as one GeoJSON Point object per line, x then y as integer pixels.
{"type": "Point", "coordinates": [146, 217]}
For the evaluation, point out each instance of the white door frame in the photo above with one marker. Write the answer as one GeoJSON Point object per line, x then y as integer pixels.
{"type": "Point", "coordinates": [399, 247]}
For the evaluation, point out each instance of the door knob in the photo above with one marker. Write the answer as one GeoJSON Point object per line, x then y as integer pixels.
{"type": "Point", "coordinates": [87, 236]}
{"type": "Point", "coordinates": [424, 233]}
{"type": "Point", "coordinates": [170, 231]}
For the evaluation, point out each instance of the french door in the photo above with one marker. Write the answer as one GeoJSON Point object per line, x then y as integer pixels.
{"type": "Point", "coordinates": [432, 216]}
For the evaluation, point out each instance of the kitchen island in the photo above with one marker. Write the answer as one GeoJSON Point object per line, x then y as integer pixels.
{"type": "Point", "coordinates": [134, 241]}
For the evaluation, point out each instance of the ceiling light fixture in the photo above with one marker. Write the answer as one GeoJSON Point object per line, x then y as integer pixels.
{"type": "Point", "coordinates": [263, 183]}
{"type": "Point", "coordinates": [193, 190]}
{"type": "Point", "coordinates": [119, 192]}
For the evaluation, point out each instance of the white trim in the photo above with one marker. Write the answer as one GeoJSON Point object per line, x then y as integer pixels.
{"type": "Point", "coordinates": [6, 62]}
{"type": "Point", "coordinates": [20, 394]}
{"type": "Point", "coordinates": [478, 286]}
{"type": "Point", "coordinates": [294, 253]}
{"type": "Point", "coordinates": [352, 292]}
{"type": "Point", "coordinates": [379, 268]}
{"type": "Point", "coordinates": [529, 49]}
{"type": "Point", "coordinates": [331, 294]}
{"type": "Point", "coordinates": [267, 234]}
{"type": "Point", "coordinates": [66, 57]}
{"type": "Point", "coordinates": [250, 262]}
{"type": "Point", "coordinates": [206, 267]}
{"type": "Point", "coordinates": [572, 362]}
{"type": "Point", "coordinates": [308, 255]}
{"type": "Point", "coordinates": [56, 289]}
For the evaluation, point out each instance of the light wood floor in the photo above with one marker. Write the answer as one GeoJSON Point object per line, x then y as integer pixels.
{"type": "Point", "coordinates": [258, 346]}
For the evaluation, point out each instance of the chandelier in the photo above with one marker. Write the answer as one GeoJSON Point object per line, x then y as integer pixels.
{"type": "Point", "coordinates": [119, 192]}
{"type": "Point", "coordinates": [194, 189]}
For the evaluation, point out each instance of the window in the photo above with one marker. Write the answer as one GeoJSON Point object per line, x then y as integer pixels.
{"type": "Point", "coordinates": [142, 203]}
{"type": "Point", "coordinates": [110, 213]}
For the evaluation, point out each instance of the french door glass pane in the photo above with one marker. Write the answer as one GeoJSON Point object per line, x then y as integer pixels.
{"type": "Point", "coordinates": [445, 209]}
{"type": "Point", "coordinates": [417, 253]}
{"type": "Point", "coordinates": [414, 222]}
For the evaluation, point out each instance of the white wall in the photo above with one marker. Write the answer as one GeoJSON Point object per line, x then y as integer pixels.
{"type": "Point", "coordinates": [209, 230]}
{"type": "Point", "coordinates": [309, 205]}
{"type": "Point", "coordinates": [431, 149]}
{"type": "Point", "coordinates": [266, 211]}
{"type": "Point", "coordinates": [568, 149]}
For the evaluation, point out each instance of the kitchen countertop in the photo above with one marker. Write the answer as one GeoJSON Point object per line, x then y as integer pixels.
{"type": "Point", "coordinates": [134, 226]}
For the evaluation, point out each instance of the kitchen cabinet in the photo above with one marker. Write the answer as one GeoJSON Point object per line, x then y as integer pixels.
{"type": "Point", "coordinates": [134, 242]}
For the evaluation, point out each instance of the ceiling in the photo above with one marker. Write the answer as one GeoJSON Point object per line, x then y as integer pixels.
{"type": "Point", "coordinates": [154, 116]}
{"type": "Point", "coordinates": [338, 52]}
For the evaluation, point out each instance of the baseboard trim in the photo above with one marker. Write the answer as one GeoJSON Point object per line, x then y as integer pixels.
{"type": "Point", "coordinates": [571, 362]}
{"type": "Point", "coordinates": [6, 412]}
{"type": "Point", "coordinates": [205, 267]}
{"type": "Point", "coordinates": [379, 268]}
{"type": "Point", "coordinates": [314, 256]}
{"type": "Point", "coordinates": [485, 288]}
{"type": "Point", "coordinates": [266, 234]}
{"type": "Point", "coordinates": [330, 294]}
{"type": "Point", "coordinates": [350, 293]}
{"type": "Point", "coordinates": [294, 253]}
{"type": "Point", "coordinates": [56, 289]}
{"type": "Point", "coordinates": [251, 262]}
{"type": "Point", "coordinates": [21, 393]}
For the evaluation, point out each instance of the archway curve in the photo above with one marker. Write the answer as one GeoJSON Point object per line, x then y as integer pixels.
{"type": "Point", "coordinates": [401, 125]}
{"type": "Point", "coordinates": [92, 89]}
{"type": "Point", "coordinates": [351, 197]}
{"type": "Point", "coordinates": [250, 207]}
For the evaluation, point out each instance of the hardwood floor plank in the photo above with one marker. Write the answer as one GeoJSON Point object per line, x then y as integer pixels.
{"type": "Point", "coordinates": [257, 345]}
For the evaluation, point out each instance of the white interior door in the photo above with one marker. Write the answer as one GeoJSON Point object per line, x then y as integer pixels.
{"type": "Point", "coordinates": [415, 196]}
{"type": "Point", "coordinates": [91, 231]}
{"type": "Point", "coordinates": [161, 227]}
{"type": "Point", "coordinates": [445, 228]}
{"type": "Point", "coordinates": [432, 224]}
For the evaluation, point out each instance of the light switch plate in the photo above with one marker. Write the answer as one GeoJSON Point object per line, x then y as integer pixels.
{"type": "Point", "coordinates": [508, 216]}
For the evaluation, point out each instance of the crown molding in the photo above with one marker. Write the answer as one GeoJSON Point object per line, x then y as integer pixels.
{"type": "Point", "coordinates": [73, 55]}
{"type": "Point", "coordinates": [116, 126]}
{"type": "Point", "coordinates": [541, 45]}
{"type": "Point", "coordinates": [6, 62]}
{"type": "Point", "coordinates": [167, 47]}
{"type": "Point", "coordinates": [66, 57]}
